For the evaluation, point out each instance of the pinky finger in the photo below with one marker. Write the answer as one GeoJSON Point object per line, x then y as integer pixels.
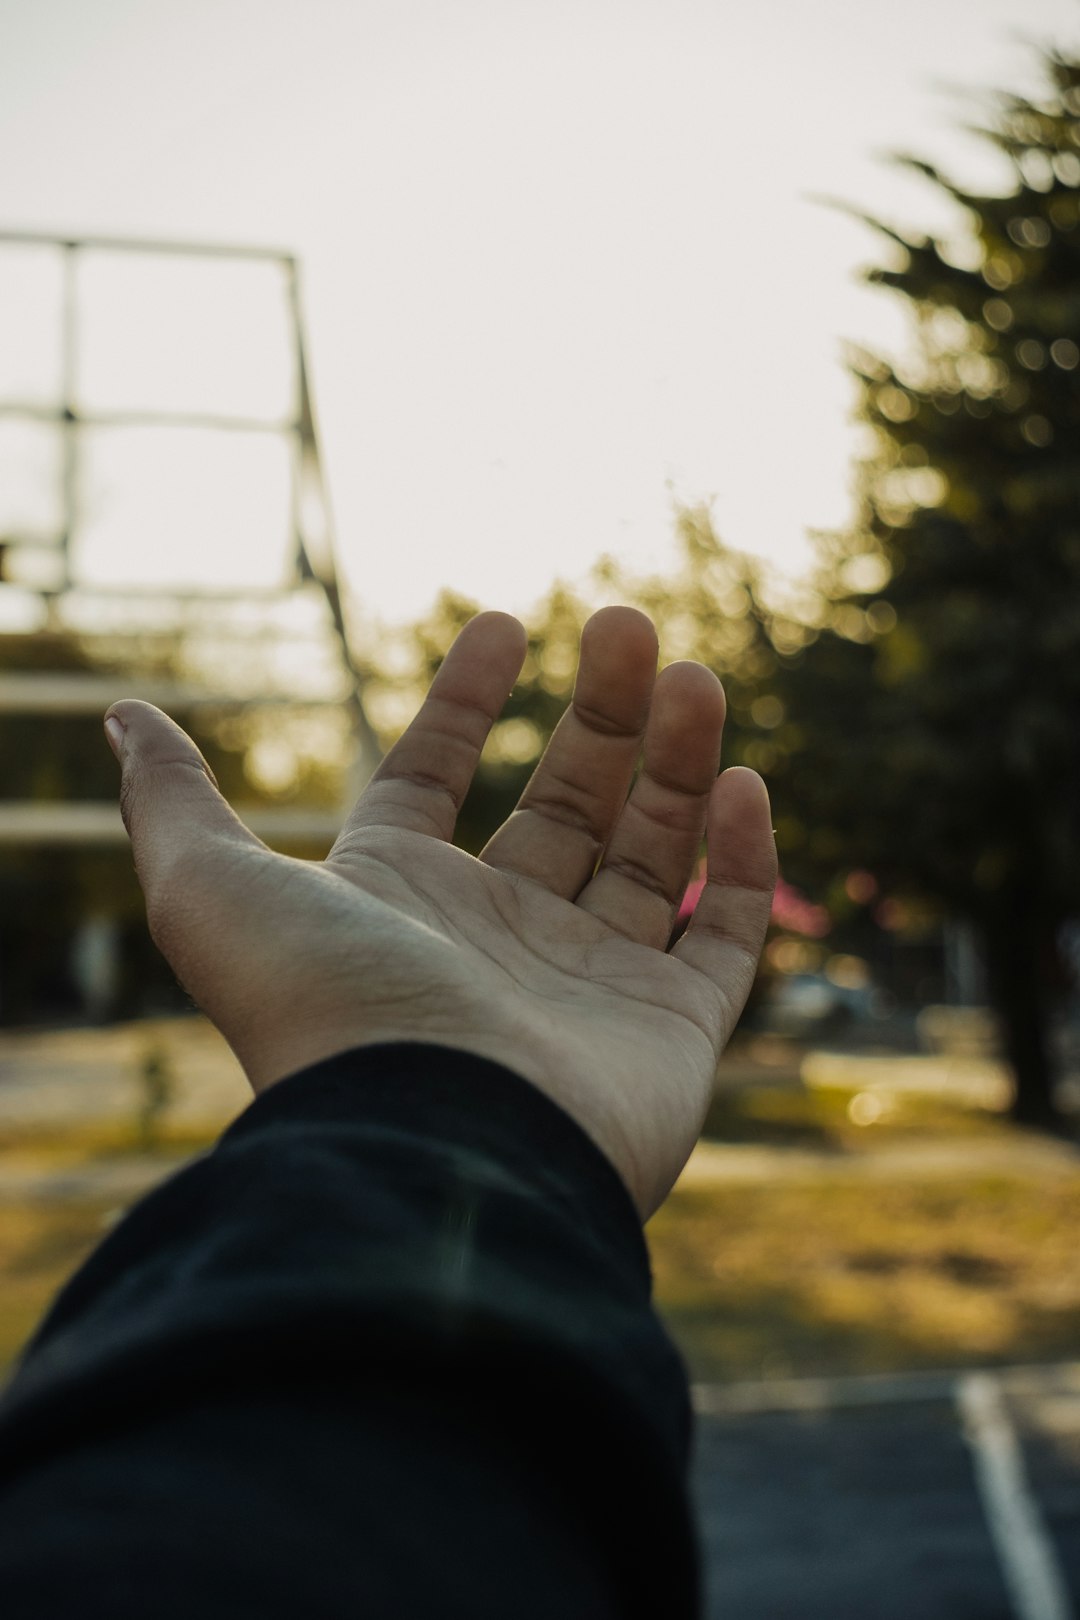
{"type": "Point", "coordinates": [727, 931]}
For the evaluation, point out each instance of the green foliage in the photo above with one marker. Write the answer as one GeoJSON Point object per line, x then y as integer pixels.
{"type": "Point", "coordinates": [972, 499]}
{"type": "Point", "coordinates": [949, 677]}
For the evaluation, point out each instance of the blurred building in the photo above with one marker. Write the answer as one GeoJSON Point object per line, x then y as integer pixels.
{"type": "Point", "coordinates": [164, 533]}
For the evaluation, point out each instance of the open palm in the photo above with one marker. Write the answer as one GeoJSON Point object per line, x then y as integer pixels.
{"type": "Point", "coordinates": [548, 953]}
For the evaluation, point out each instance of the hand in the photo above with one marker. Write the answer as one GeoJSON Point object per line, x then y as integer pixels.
{"type": "Point", "coordinates": [534, 954]}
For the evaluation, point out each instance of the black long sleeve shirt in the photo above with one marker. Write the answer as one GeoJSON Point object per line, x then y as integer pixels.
{"type": "Point", "coordinates": [387, 1350]}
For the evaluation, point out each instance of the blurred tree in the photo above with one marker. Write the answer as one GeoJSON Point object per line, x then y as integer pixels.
{"type": "Point", "coordinates": [947, 678]}
{"type": "Point", "coordinates": [915, 707]}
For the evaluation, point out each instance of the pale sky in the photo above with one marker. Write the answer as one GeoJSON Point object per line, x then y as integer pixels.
{"type": "Point", "coordinates": [559, 258]}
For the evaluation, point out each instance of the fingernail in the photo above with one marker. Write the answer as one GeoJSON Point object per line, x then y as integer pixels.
{"type": "Point", "coordinates": [114, 730]}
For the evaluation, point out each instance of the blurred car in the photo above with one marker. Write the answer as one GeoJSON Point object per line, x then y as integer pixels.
{"type": "Point", "coordinates": [811, 1004]}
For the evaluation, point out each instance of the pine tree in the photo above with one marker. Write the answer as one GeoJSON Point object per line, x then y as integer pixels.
{"type": "Point", "coordinates": [967, 724]}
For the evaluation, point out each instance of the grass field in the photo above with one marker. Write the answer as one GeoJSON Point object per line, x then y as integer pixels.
{"type": "Point", "coordinates": [839, 1276]}
{"type": "Point", "coordinates": [889, 1270]}
{"type": "Point", "coordinates": [824, 1272]}
{"type": "Point", "coordinates": [42, 1242]}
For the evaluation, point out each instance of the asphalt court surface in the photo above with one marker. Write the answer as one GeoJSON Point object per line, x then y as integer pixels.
{"type": "Point", "coordinates": [941, 1496]}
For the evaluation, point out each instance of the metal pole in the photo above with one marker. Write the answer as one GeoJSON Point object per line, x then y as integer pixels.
{"type": "Point", "coordinates": [323, 569]}
{"type": "Point", "coordinates": [68, 385]}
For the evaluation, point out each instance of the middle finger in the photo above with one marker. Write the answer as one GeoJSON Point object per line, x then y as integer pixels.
{"type": "Point", "coordinates": [563, 820]}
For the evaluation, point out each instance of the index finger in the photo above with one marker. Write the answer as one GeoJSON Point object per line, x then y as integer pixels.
{"type": "Point", "coordinates": [421, 783]}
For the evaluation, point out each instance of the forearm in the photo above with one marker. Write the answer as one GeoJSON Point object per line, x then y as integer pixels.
{"type": "Point", "coordinates": [401, 1316]}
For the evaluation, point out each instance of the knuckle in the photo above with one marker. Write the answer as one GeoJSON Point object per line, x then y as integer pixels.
{"type": "Point", "coordinates": [642, 876]}
{"type": "Point", "coordinates": [604, 725]}
{"type": "Point", "coordinates": [575, 816]}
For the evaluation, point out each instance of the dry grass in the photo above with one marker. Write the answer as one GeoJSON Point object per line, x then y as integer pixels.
{"type": "Point", "coordinates": [790, 1115]}
{"type": "Point", "coordinates": [826, 1274]}
{"type": "Point", "coordinates": [842, 1274]}
{"type": "Point", "coordinates": [42, 1243]}
{"type": "Point", "coordinates": [804, 1278]}
{"type": "Point", "coordinates": [40, 1246]}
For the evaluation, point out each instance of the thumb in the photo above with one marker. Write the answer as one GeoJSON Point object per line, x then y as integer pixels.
{"type": "Point", "coordinates": [174, 813]}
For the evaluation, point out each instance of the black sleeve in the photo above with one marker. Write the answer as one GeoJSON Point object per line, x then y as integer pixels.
{"type": "Point", "coordinates": [387, 1350]}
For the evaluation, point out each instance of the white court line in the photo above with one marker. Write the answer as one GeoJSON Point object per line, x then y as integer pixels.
{"type": "Point", "coordinates": [1028, 1561]}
